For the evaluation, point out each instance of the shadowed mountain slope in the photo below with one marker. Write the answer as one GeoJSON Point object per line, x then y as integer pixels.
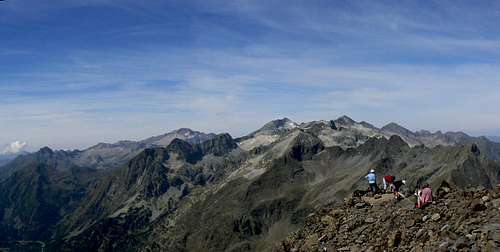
{"type": "Point", "coordinates": [153, 185]}
{"type": "Point", "coordinates": [37, 196]}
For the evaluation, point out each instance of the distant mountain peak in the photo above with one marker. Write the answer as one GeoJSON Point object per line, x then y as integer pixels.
{"type": "Point", "coordinates": [392, 125]}
{"type": "Point", "coordinates": [278, 125]}
{"type": "Point", "coordinates": [184, 131]}
{"type": "Point", "coordinates": [46, 150]}
{"type": "Point", "coordinates": [285, 123]}
{"type": "Point", "coordinates": [345, 120]}
{"type": "Point", "coordinates": [396, 128]}
{"type": "Point", "coordinates": [187, 134]}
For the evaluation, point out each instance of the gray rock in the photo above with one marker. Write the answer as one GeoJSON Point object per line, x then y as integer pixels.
{"type": "Point", "coordinates": [445, 227]}
{"type": "Point", "coordinates": [360, 205]}
{"type": "Point", "coordinates": [470, 236]}
{"type": "Point", "coordinates": [419, 233]}
{"type": "Point", "coordinates": [370, 220]}
{"type": "Point", "coordinates": [496, 203]}
{"type": "Point", "coordinates": [435, 217]}
{"type": "Point", "coordinates": [443, 246]}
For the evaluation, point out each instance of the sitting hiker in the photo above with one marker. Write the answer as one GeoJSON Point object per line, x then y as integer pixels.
{"type": "Point", "coordinates": [424, 197]}
{"type": "Point", "coordinates": [372, 181]}
{"type": "Point", "coordinates": [396, 186]}
{"type": "Point", "coordinates": [388, 180]}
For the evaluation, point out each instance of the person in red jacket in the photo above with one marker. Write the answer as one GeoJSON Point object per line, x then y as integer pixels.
{"type": "Point", "coordinates": [388, 180]}
{"type": "Point", "coordinates": [424, 196]}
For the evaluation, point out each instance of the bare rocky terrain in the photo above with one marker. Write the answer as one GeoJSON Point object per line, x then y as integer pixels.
{"type": "Point", "coordinates": [458, 220]}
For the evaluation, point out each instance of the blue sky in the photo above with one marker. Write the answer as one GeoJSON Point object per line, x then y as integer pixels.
{"type": "Point", "coordinates": [74, 73]}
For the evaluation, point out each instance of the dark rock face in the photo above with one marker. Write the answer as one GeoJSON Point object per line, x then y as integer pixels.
{"type": "Point", "coordinates": [219, 145]}
{"type": "Point", "coordinates": [305, 146]}
{"type": "Point", "coordinates": [35, 199]}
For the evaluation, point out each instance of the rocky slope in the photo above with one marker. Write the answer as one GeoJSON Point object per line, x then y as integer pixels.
{"type": "Point", "coordinates": [152, 186]}
{"type": "Point", "coordinates": [456, 221]}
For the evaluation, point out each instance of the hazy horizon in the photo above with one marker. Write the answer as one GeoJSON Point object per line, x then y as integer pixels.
{"type": "Point", "coordinates": [17, 146]}
{"type": "Point", "coordinates": [76, 73]}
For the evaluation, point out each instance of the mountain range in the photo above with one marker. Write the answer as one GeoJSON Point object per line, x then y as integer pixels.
{"type": "Point", "coordinates": [191, 191]}
{"type": "Point", "coordinates": [110, 156]}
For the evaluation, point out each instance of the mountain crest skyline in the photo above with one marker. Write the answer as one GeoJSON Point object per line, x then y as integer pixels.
{"type": "Point", "coordinates": [284, 122]}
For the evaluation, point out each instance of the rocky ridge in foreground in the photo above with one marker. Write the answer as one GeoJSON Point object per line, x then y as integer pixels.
{"type": "Point", "coordinates": [456, 221]}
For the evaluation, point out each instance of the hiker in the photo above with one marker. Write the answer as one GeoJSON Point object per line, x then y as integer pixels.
{"type": "Point", "coordinates": [388, 180]}
{"type": "Point", "coordinates": [395, 188]}
{"type": "Point", "coordinates": [372, 181]}
{"type": "Point", "coordinates": [424, 197]}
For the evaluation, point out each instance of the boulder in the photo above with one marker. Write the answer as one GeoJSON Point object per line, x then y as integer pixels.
{"type": "Point", "coordinates": [478, 206]}
{"type": "Point", "coordinates": [360, 205]}
{"type": "Point", "coordinates": [419, 233]}
{"type": "Point", "coordinates": [495, 203]}
{"type": "Point", "coordinates": [435, 217]}
{"type": "Point", "coordinates": [394, 239]}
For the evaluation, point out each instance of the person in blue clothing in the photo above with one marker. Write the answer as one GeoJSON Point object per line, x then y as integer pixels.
{"type": "Point", "coordinates": [372, 181]}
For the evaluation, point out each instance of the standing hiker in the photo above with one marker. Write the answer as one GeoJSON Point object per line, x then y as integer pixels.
{"type": "Point", "coordinates": [372, 181]}
{"type": "Point", "coordinates": [396, 186]}
{"type": "Point", "coordinates": [424, 197]}
{"type": "Point", "coordinates": [388, 180]}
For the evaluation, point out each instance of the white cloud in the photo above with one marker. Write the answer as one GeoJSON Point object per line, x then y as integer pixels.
{"type": "Point", "coordinates": [14, 147]}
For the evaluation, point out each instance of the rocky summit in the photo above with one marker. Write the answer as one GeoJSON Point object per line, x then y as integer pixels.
{"type": "Point", "coordinates": [286, 186]}
{"type": "Point", "coordinates": [457, 220]}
